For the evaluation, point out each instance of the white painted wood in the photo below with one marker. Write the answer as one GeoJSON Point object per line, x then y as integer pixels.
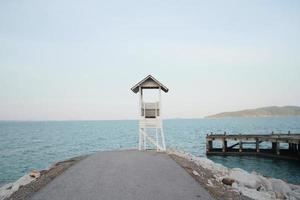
{"type": "Point", "coordinates": [163, 139]}
{"type": "Point", "coordinates": [156, 137]}
{"type": "Point", "coordinates": [149, 82]}
{"type": "Point", "coordinates": [140, 113]}
{"type": "Point", "coordinates": [145, 142]}
{"type": "Point", "coordinates": [140, 140]}
{"type": "Point", "coordinates": [152, 141]}
{"type": "Point", "coordinates": [150, 115]}
{"type": "Point", "coordinates": [159, 96]}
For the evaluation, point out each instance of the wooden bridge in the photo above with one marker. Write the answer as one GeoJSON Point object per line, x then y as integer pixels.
{"type": "Point", "coordinates": [281, 145]}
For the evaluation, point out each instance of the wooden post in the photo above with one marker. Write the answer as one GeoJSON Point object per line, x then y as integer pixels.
{"type": "Point", "coordinates": [292, 147]}
{"type": "Point", "coordinates": [241, 146]}
{"type": "Point", "coordinates": [274, 144]}
{"type": "Point", "coordinates": [140, 113]}
{"type": "Point", "coordinates": [277, 148]}
{"type": "Point", "coordinates": [224, 145]}
{"type": "Point", "coordinates": [140, 140]}
{"type": "Point", "coordinates": [257, 145]}
{"type": "Point", "coordinates": [156, 131]}
{"type": "Point", "coordinates": [156, 136]}
{"type": "Point", "coordinates": [209, 145]}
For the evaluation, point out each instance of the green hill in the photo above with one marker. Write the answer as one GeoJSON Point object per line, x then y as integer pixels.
{"type": "Point", "coordinates": [261, 112]}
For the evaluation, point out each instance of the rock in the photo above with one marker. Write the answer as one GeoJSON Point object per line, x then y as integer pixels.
{"type": "Point", "coordinates": [280, 186]}
{"type": "Point", "coordinates": [264, 183]}
{"type": "Point", "coordinates": [235, 185]}
{"type": "Point", "coordinates": [261, 188]}
{"type": "Point", "coordinates": [196, 173]}
{"type": "Point", "coordinates": [209, 183]}
{"type": "Point", "coordinates": [35, 174]}
{"type": "Point", "coordinates": [227, 181]}
{"type": "Point", "coordinates": [9, 189]}
{"type": "Point", "coordinates": [255, 195]}
{"type": "Point", "coordinates": [279, 195]}
{"type": "Point", "coordinates": [244, 178]}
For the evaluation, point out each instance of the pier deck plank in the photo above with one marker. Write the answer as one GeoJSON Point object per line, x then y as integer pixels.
{"type": "Point", "coordinates": [126, 175]}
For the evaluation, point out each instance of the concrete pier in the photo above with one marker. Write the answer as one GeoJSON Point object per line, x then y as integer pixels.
{"type": "Point", "coordinates": [291, 149]}
{"type": "Point", "coordinates": [126, 175]}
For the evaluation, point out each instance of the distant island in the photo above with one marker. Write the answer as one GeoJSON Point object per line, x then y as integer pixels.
{"type": "Point", "coordinates": [273, 111]}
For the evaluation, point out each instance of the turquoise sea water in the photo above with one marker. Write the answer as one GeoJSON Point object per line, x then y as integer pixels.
{"type": "Point", "coordinates": [36, 145]}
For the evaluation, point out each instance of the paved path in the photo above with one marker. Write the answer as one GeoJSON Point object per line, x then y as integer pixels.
{"type": "Point", "coordinates": [124, 175]}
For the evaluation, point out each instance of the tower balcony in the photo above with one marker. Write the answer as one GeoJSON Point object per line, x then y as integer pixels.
{"type": "Point", "coordinates": [150, 123]}
{"type": "Point", "coordinates": [150, 110]}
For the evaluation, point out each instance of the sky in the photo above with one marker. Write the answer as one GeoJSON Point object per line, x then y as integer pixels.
{"type": "Point", "coordinates": [77, 60]}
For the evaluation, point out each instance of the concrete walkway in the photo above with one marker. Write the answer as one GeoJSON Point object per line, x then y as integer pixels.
{"type": "Point", "coordinates": [124, 175]}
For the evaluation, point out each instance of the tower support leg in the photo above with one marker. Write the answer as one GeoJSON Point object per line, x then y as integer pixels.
{"type": "Point", "coordinates": [140, 140]}
{"type": "Point", "coordinates": [145, 141]}
{"type": "Point", "coordinates": [156, 135]}
{"type": "Point", "coordinates": [158, 142]}
{"type": "Point", "coordinates": [163, 139]}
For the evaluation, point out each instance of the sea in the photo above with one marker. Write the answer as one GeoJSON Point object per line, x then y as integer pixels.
{"type": "Point", "coordinates": [27, 145]}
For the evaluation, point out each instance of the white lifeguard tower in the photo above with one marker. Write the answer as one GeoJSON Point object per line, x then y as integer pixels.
{"type": "Point", "coordinates": [150, 114]}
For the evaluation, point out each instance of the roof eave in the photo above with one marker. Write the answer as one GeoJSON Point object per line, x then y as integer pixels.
{"type": "Point", "coordinates": [135, 88]}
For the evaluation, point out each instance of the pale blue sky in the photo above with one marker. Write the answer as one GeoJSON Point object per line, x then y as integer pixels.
{"type": "Point", "coordinates": [78, 59]}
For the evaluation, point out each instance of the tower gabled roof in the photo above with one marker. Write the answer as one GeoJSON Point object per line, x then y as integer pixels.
{"type": "Point", "coordinates": [145, 84]}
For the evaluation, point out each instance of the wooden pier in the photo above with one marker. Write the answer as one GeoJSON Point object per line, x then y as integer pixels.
{"type": "Point", "coordinates": [281, 145]}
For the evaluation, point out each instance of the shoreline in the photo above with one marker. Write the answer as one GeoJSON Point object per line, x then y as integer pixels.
{"type": "Point", "coordinates": [33, 181]}
{"type": "Point", "coordinates": [221, 182]}
{"type": "Point", "coordinates": [229, 183]}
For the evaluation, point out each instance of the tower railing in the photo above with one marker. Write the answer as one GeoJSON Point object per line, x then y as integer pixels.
{"type": "Point", "coordinates": [150, 110]}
